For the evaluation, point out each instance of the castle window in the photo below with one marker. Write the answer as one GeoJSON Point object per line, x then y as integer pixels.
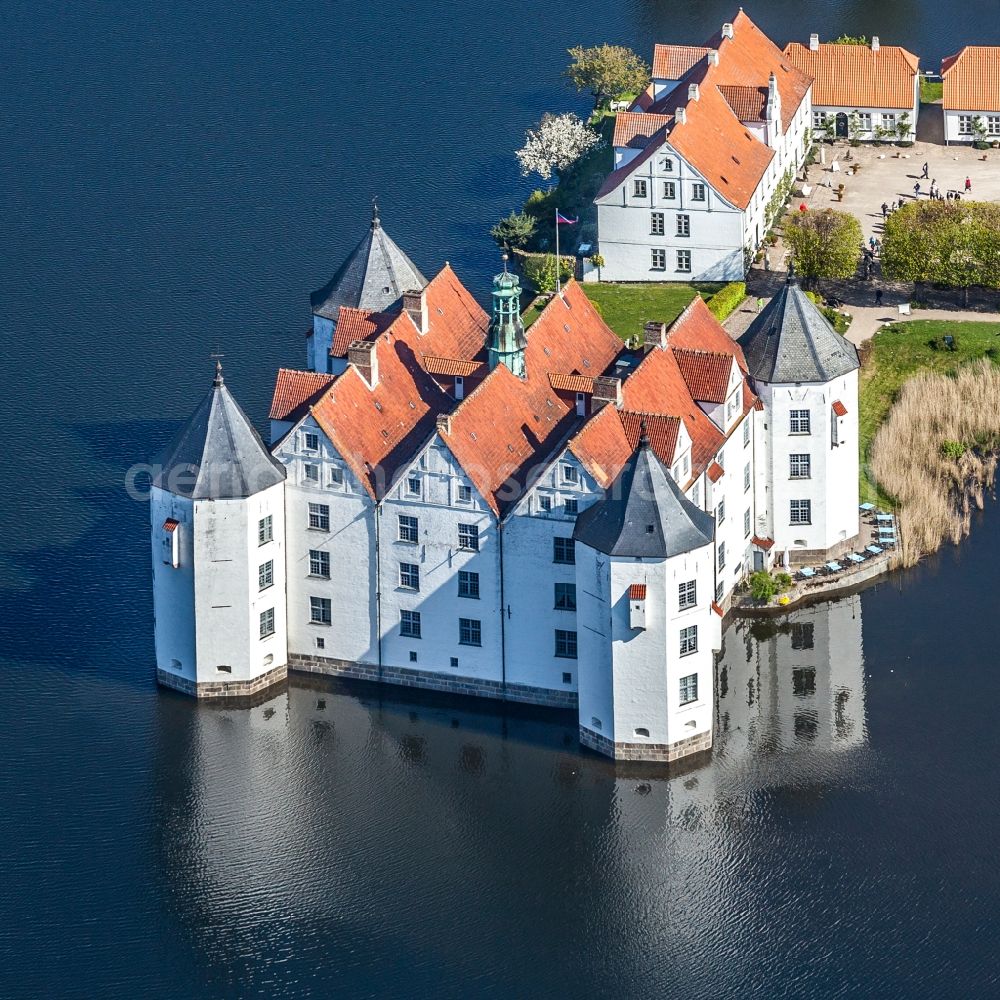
{"type": "Point", "coordinates": [409, 624]}
{"type": "Point", "coordinates": [595, 722]}
{"type": "Point", "coordinates": [468, 584]}
{"type": "Point", "coordinates": [269, 659]}
{"type": "Point", "coordinates": [413, 656]}
{"type": "Point", "coordinates": [465, 494]}
{"type": "Point", "coordinates": [798, 422]}
{"type": "Point", "coordinates": [470, 632]}
{"type": "Point", "coordinates": [746, 477]}
{"type": "Point", "coordinates": [224, 668]}
{"type": "Point", "coordinates": [312, 473]}
{"type": "Point", "coordinates": [569, 474]}
{"type": "Point", "coordinates": [565, 644]}
{"type": "Point", "coordinates": [642, 732]}
{"type": "Point", "coordinates": [413, 486]}
{"type": "Point", "coordinates": [265, 575]}
{"type": "Point", "coordinates": [683, 225]}
{"type": "Point", "coordinates": [698, 192]}
{"type": "Point", "coordinates": [658, 259]}
{"type": "Point", "coordinates": [696, 494]}
{"type": "Point", "coordinates": [409, 528]}
{"type": "Point", "coordinates": [669, 190]}
{"type": "Point", "coordinates": [336, 475]}
{"type": "Point", "coordinates": [320, 611]}
{"type": "Point", "coordinates": [567, 678]}
{"type": "Point", "coordinates": [687, 595]}
{"type": "Point", "coordinates": [454, 661]}
{"type": "Point", "coordinates": [320, 642]}
{"type": "Point", "coordinates": [746, 432]}
{"type": "Point", "coordinates": [319, 517]}
{"type": "Point", "coordinates": [800, 511]}
{"type": "Point", "coordinates": [657, 224]}
{"type": "Point", "coordinates": [409, 576]}
{"type": "Point", "coordinates": [267, 623]}
{"type": "Point", "coordinates": [639, 188]}
{"type": "Point", "coordinates": [689, 689]}
{"type": "Point", "coordinates": [312, 441]}
{"type": "Point", "coordinates": [720, 512]}
{"type": "Point", "coordinates": [265, 529]}
{"type": "Point", "coordinates": [565, 599]}
{"type": "Point", "coordinates": [683, 261]}
{"type": "Point", "coordinates": [746, 523]}
{"type": "Point", "coordinates": [722, 555]}
{"type": "Point", "coordinates": [799, 466]}
{"type": "Point", "coordinates": [572, 506]}
{"type": "Point", "coordinates": [564, 551]}
{"type": "Point", "coordinates": [468, 537]}
{"type": "Point", "coordinates": [668, 165]}
{"type": "Point", "coordinates": [689, 640]}
{"type": "Point", "coordinates": [319, 563]}
{"type": "Point", "coordinates": [545, 504]}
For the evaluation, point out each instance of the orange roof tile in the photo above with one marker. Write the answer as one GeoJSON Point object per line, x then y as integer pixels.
{"type": "Point", "coordinates": [635, 129]}
{"type": "Point", "coordinates": [608, 440]}
{"type": "Point", "coordinates": [357, 324]}
{"type": "Point", "coordinates": [854, 76]}
{"type": "Point", "coordinates": [637, 592]}
{"type": "Point", "coordinates": [571, 383]}
{"type": "Point", "coordinates": [451, 366]}
{"type": "Point", "coordinates": [706, 373]}
{"type": "Point", "coordinates": [839, 408]}
{"type": "Point", "coordinates": [715, 472]}
{"type": "Point", "coordinates": [295, 391]}
{"type": "Point", "coordinates": [763, 543]}
{"type": "Point", "coordinates": [972, 79]}
{"type": "Point", "coordinates": [671, 62]}
{"type": "Point", "coordinates": [748, 103]}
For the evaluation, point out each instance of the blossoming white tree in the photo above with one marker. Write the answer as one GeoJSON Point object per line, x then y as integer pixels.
{"type": "Point", "coordinates": [557, 143]}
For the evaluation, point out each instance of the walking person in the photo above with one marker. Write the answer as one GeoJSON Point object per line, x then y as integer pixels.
{"type": "Point", "coordinates": [878, 298]}
{"type": "Point", "coordinates": [885, 209]}
{"type": "Point", "coordinates": [926, 170]}
{"type": "Point", "coordinates": [916, 190]}
{"type": "Point", "coordinates": [968, 185]}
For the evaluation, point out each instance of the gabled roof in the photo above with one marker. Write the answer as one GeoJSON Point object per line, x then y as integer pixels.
{"type": "Point", "coordinates": [972, 79]}
{"type": "Point", "coordinates": [706, 373]}
{"type": "Point", "coordinates": [791, 341]}
{"type": "Point", "coordinates": [451, 366]}
{"type": "Point", "coordinates": [853, 76]}
{"type": "Point", "coordinates": [357, 324]}
{"type": "Point", "coordinates": [295, 392]}
{"type": "Point", "coordinates": [217, 454]}
{"type": "Point", "coordinates": [748, 103]}
{"type": "Point", "coordinates": [671, 62]}
{"type": "Point", "coordinates": [637, 129]}
{"type": "Point", "coordinates": [372, 278]}
{"type": "Point", "coordinates": [644, 514]}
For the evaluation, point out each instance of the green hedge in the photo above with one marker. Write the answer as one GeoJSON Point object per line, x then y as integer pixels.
{"type": "Point", "coordinates": [726, 299]}
{"type": "Point", "coordinates": [540, 269]}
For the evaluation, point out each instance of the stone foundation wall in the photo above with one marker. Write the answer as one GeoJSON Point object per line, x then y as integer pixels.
{"type": "Point", "coordinates": [221, 689]}
{"type": "Point", "coordinates": [432, 681]}
{"type": "Point", "coordinates": [662, 752]}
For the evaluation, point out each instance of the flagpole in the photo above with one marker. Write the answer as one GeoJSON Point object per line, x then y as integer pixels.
{"type": "Point", "coordinates": [558, 262]}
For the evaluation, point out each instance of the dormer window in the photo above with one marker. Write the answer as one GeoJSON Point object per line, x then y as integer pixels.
{"type": "Point", "coordinates": [569, 474]}
{"type": "Point", "coordinates": [667, 165]}
{"type": "Point", "coordinates": [413, 486]}
{"type": "Point", "coordinates": [459, 387]}
{"type": "Point", "coordinates": [312, 441]}
{"type": "Point", "coordinates": [311, 473]}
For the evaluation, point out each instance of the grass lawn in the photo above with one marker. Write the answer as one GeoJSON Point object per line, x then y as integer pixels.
{"type": "Point", "coordinates": [903, 350]}
{"type": "Point", "coordinates": [628, 308]}
{"type": "Point", "coordinates": [930, 92]}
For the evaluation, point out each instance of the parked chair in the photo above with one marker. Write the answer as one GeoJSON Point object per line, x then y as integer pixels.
{"type": "Point", "coordinates": [807, 572]}
{"type": "Point", "coordinates": [875, 550]}
{"type": "Point", "coordinates": [855, 557]}
{"type": "Point", "coordinates": [834, 566]}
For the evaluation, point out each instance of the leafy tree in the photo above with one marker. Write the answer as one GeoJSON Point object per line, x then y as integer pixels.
{"type": "Point", "coordinates": [979, 132]}
{"type": "Point", "coordinates": [607, 71]}
{"type": "Point", "coordinates": [827, 127]}
{"type": "Point", "coordinates": [854, 129]}
{"type": "Point", "coordinates": [851, 40]}
{"type": "Point", "coordinates": [555, 144]}
{"type": "Point", "coordinates": [516, 230]}
{"type": "Point", "coordinates": [824, 244]}
{"type": "Point", "coordinates": [903, 127]}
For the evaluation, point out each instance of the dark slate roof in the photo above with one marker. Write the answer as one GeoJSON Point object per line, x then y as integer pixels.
{"type": "Point", "coordinates": [217, 455]}
{"type": "Point", "coordinates": [791, 341]}
{"type": "Point", "coordinates": [644, 513]}
{"type": "Point", "coordinates": [374, 277]}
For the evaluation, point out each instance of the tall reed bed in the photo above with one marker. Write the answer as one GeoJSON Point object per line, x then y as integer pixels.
{"type": "Point", "coordinates": [936, 454]}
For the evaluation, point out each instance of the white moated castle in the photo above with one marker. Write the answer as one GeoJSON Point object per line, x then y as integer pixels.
{"type": "Point", "coordinates": [451, 501]}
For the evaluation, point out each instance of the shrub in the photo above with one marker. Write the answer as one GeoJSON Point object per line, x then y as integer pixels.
{"type": "Point", "coordinates": [540, 270]}
{"type": "Point", "coordinates": [726, 299]}
{"type": "Point", "coordinates": [784, 581]}
{"type": "Point", "coordinates": [762, 586]}
{"type": "Point", "coordinates": [515, 231]}
{"type": "Point", "coordinates": [953, 450]}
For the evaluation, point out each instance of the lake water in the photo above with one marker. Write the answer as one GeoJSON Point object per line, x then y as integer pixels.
{"type": "Point", "coordinates": [180, 177]}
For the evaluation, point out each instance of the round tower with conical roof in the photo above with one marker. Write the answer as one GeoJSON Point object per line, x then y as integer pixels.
{"type": "Point", "coordinates": [217, 509]}
{"type": "Point", "coordinates": [645, 584]}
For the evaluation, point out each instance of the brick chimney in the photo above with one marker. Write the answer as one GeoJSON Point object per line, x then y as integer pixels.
{"type": "Point", "coordinates": [363, 354]}
{"type": "Point", "coordinates": [814, 42]}
{"type": "Point", "coordinates": [607, 389]}
{"type": "Point", "coordinates": [692, 92]}
{"type": "Point", "coordinates": [727, 30]}
{"type": "Point", "coordinates": [655, 335]}
{"type": "Point", "coordinates": [415, 306]}
{"type": "Point", "coordinates": [713, 57]}
{"type": "Point", "coordinates": [875, 44]}
{"type": "Point", "coordinates": [680, 116]}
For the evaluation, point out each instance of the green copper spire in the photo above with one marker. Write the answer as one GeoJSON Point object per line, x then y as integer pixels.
{"type": "Point", "coordinates": [506, 335]}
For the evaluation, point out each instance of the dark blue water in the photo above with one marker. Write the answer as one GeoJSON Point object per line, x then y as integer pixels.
{"type": "Point", "coordinates": [176, 177]}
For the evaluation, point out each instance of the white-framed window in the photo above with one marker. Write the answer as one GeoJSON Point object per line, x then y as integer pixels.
{"type": "Point", "coordinates": [888, 120]}
{"type": "Point", "coordinates": [545, 504]}
{"type": "Point", "coordinates": [459, 387]}
{"type": "Point", "coordinates": [319, 563]}
{"type": "Point", "coordinates": [683, 225]}
{"type": "Point", "coordinates": [746, 477]}
{"type": "Point", "coordinates": [800, 511]}
{"type": "Point", "coordinates": [658, 259]}
{"type": "Point", "coordinates": [720, 512]}
{"type": "Point", "coordinates": [657, 224]}
{"type": "Point", "coordinates": [319, 516]}
{"type": "Point", "coordinates": [698, 191]}
{"type": "Point", "coordinates": [464, 494]}
{"type": "Point", "coordinates": [336, 475]}
{"type": "Point", "coordinates": [684, 261]}
{"type": "Point", "coordinates": [409, 528]}
{"type": "Point", "coordinates": [413, 486]}
{"type": "Point", "coordinates": [572, 506]}
{"type": "Point", "coordinates": [311, 441]}
{"type": "Point", "coordinates": [798, 422]}
{"type": "Point", "coordinates": [696, 494]}
{"type": "Point", "coordinates": [818, 117]}
{"type": "Point", "coordinates": [409, 576]}
{"type": "Point", "coordinates": [798, 466]}
{"type": "Point", "coordinates": [670, 190]}
{"type": "Point", "coordinates": [965, 124]}
{"type": "Point", "coordinates": [722, 555]}
{"type": "Point", "coordinates": [686, 463]}
{"type": "Point", "coordinates": [470, 632]}
{"type": "Point", "coordinates": [689, 640]}
{"type": "Point", "coordinates": [312, 473]}
{"type": "Point", "coordinates": [746, 432]}
{"type": "Point", "coordinates": [409, 624]}
{"type": "Point", "coordinates": [565, 644]}
{"type": "Point", "coordinates": [267, 623]}
{"type": "Point", "coordinates": [639, 188]}
{"type": "Point", "coordinates": [731, 406]}
{"type": "Point", "coordinates": [320, 611]}
{"type": "Point", "coordinates": [689, 689]}
{"type": "Point", "coordinates": [565, 597]}
{"type": "Point", "coordinates": [667, 165]}
{"type": "Point", "coordinates": [746, 523]}
{"type": "Point", "coordinates": [687, 595]}
{"type": "Point", "coordinates": [265, 529]}
{"type": "Point", "coordinates": [564, 551]}
{"type": "Point", "coordinates": [993, 125]}
{"type": "Point", "coordinates": [865, 121]}
{"type": "Point", "coordinates": [468, 584]}
{"type": "Point", "coordinates": [569, 474]}
{"type": "Point", "coordinates": [265, 575]}
{"type": "Point", "coordinates": [468, 537]}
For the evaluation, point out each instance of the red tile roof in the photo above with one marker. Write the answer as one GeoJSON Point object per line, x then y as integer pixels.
{"type": "Point", "coordinates": [171, 525]}
{"type": "Point", "coordinates": [635, 129]}
{"type": "Point", "coordinates": [671, 62]}
{"type": "Point", "coordinates": [571, 383]}
{"type": "Point", "coordinates": [839, 408]}
{"type": "Point", "coordinates": [749, 104]}
{"type": "Point", "coordinates": [763, 543]}
{"type": "Point", "coordinates": [706, 373]}
{"type": "Point", "coordinates": [295, 391]}
{"type": "Point", "coordinates": [637, 592]}
{"type": "Point", "coordinates": [972, 79]}
{"type": "Point", "coordinates": [357, 324]}
{"type": "Point", "coordinates": [451, 366]}
{"type": "Point", "coordinates": [854, 76]}
{"type": "Point", "coordinates": [715, 472]}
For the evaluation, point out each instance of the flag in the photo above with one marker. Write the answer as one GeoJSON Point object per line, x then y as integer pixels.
{"type": "Point", "coordinates": [565, 221]}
